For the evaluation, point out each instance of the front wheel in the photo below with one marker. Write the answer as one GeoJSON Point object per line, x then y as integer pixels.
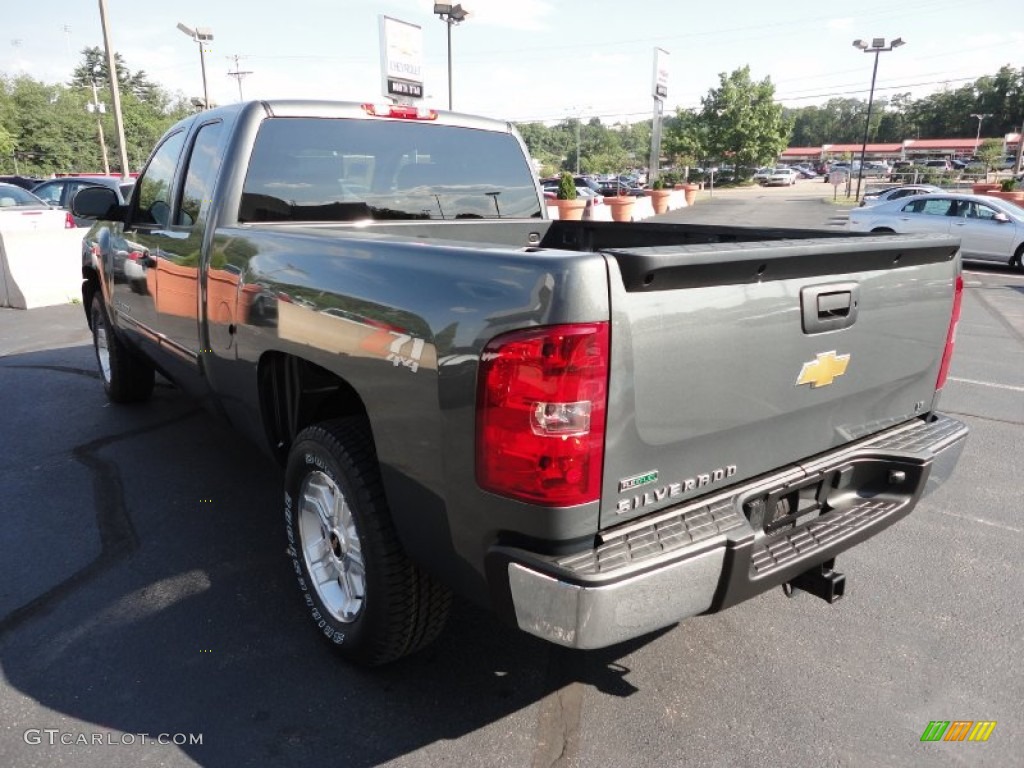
{"type": "Point", "coordinates": [365, 596]}
{"type": "Point", "coordinates": [883, 231]}
{"type": "Point", "coordinates": [127, 378]}
{"type": "Point", "coordinates": [1018, 257]}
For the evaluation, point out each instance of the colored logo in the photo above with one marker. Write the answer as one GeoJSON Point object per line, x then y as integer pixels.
{"type": "Point", "coordinates": [958, 730]}
{"type": "Point", "coordinates": [823, 370]}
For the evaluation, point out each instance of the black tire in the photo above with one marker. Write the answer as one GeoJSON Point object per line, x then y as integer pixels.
{"type": "Point", "coordinates": [127, 378]}
{"type": "Point", "coordinates": [1018, 257]}
{"type": "Point", "coordinates": [883, 231]}
{"type": "Point", "coordinates": [370, 602]}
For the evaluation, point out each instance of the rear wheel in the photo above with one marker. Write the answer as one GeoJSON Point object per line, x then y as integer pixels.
{"type": "Point", "coordinates": [127, 378]}
{"type": "Point", "coordinates": [366, 597]}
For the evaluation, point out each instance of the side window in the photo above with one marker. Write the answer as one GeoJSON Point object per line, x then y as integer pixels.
{"type": "Point", "coordinates": [203, 164]}
{"type": "Point", "coordinates": [935, 207]}
{"type": "Point", "coordinates": [49, 192]}
{"type": "Point", "coordinates": [153, 205]}
{"type": "Point", "coordinates": [980, 211]}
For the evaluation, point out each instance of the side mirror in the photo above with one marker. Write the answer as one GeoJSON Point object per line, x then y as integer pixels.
{"type": "Point", "coordinates": [97, 203]}
{"type": "Point", "coordinates": [1002, 218]}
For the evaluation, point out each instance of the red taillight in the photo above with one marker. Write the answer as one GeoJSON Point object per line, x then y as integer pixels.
{"type": "Point", "coordinates": [402, 111]}
{"type": "Point", "coordinates": [947, 353]}
{"type": "Point", "coordinates": [69, 221]}
{"type": "Point", "coordinates": [541, 414]}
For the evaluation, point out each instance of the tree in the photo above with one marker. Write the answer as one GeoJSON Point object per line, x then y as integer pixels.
{"type": "Point", "coordinates": [990, 153]}
{"type": "Point", "coordinates": [745, 125]}
{"type": "Point", "coordinates": [94, 67]}
{"type": "Point", "coordinates": [52, 130]}
{"type": "Point", "coordinates": [684, 138]}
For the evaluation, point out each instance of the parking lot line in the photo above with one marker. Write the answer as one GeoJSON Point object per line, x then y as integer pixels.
{"type": "Point", "coordinates": [1009, 387]}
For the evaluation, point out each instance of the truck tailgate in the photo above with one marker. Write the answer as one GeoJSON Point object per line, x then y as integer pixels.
{"type": "Point", "coordinates": [729, 360]}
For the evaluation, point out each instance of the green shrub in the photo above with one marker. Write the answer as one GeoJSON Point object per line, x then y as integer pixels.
{"type": "Point", "coordinates": [566, 187]}
{"type": "Point", "coordinates": [1008, 185]}
{"type": "Point", "coordinates": [658, 183]}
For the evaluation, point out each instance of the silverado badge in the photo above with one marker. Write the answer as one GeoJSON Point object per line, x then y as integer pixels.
{"type": "Point", "coordinates": [823, 370]}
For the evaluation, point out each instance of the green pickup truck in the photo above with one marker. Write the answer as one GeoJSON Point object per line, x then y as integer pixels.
{"type": "Point", "coordinates": [597, 429]}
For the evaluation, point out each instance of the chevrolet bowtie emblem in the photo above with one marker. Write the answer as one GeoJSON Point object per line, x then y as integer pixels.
{"type": "Point", "coordinates": [823, 370]}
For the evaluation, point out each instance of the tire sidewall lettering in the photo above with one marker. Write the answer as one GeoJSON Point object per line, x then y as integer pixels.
{"type": "Point", "coordinates": [309, 598]}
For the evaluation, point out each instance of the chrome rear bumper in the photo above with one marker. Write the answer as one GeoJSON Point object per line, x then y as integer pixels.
{"type": "Point", "coordinates": [709, 554]}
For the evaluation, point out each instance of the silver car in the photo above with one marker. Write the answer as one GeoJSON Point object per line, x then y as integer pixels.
{"type": "Point", "coordinates": [895, 193]}
{"type": "Point", "coordinates": [989, 229]}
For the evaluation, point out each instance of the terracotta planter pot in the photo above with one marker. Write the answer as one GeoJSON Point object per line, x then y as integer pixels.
{"type": "Point", "coordinates": [659, 199]}
{"type": "Point", "coordinates": [1016, 196]}
{"type": "Point", "coordinates": [571, 210]}
{"type": "Point", "coordinates": [690, 191]}
{"type": "Point", "coordinates": [621, 207]}
{"type": "Point", "coordinates": [982, 187]}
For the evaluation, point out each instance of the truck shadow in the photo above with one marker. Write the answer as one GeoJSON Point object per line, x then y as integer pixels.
{"type": "Point", "coordinates": [188, 620]}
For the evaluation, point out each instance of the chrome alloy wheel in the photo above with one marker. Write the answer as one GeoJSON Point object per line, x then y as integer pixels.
{"type": "Point", "coordinates": [331, 547]}
{"type": "Point", "coordinates": [99, 327]}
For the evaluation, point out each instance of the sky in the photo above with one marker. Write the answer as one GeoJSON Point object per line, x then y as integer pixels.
{"type": "Point", "coordinates": [528, 60]}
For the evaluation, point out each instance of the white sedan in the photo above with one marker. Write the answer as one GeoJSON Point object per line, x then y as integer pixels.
{"type": "Point", "coordinates": [781, 176]}
{"type": "Point", "coordinates": [989, 229]}
{"type": "Point", "coordinates": [22, 210]}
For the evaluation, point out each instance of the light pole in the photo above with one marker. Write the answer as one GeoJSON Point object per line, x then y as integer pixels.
{"type": "Point", "coordinates": [200, 35]}
{"type": "Point", "coordinates": [977, 138]}
{"type": "Point", "coordinates": [450, 15]}
{"type": "Point", "coordinates": [876, 47]}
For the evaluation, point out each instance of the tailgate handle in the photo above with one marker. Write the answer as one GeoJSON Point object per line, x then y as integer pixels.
{"type": "Point", "coordinates": [834, 304]}
{"type": "Point", "coordinates": [829, 307]}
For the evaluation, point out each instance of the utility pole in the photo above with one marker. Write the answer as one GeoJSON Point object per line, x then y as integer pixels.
{"type": "Point", "coordinates": [99, 108]}
{"type": "Point", "coordinates": [115, 89]}
{"type": "Point", "coordinates": [238, 75]}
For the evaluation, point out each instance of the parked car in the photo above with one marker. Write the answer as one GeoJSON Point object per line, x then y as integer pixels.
{"type": "Point", "coordinates": [762, 173]}
{"type": "Point", "coordinates": [805, 171]}
{"type": "Point", "coordinates": [895, 193]}
{"type": "Point", "coordinates": [20, 209]}
{"type": "Point", "coordinates": [989, 229]}
{"type": "Point", "coordinates": [617, 187]}
{"type": "Point", "coordinates": [781, 177]}
{"type": "Point", "coordinates": [579, 181]}
{"type": "Point", "coordinates": [25, 182]}
{"type": "Point", "coordinates": [60, 192]}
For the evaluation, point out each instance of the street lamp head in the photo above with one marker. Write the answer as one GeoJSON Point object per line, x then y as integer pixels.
{"type": "Point", "coordinates": [878, 42]}
{"type": "Point", "coordinates": [897, 42]}
{"type": "Point", "coordinates": [451, 14]}
{"type": "Point", "coordinates": [856, 43]}
{"type": "Point", "coordinates": [187, 30]}
{"type": "Point", "coordinates": [204, 33]}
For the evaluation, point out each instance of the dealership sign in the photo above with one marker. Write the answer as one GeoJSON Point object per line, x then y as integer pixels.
{"type": "Point", "coordinates": [401, 60]}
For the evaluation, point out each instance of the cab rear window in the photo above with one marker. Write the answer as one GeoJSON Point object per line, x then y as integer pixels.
{"type": "Point", "coordinates": [340, 169]}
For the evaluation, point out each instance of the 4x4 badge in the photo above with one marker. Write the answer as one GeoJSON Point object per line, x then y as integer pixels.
{"type": "Point", "coordinates": [823, 370]}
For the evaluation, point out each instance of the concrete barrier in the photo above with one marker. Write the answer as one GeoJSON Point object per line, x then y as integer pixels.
{"type": "Point", "coordinates": [40, 269]}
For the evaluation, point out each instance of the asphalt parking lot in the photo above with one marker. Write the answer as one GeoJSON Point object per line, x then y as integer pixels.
{"type": "Point", "coordinates": [144, 590]}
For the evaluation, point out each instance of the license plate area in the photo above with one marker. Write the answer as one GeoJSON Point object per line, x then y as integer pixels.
{"type": "Point", "coordinates": [785, 508]}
